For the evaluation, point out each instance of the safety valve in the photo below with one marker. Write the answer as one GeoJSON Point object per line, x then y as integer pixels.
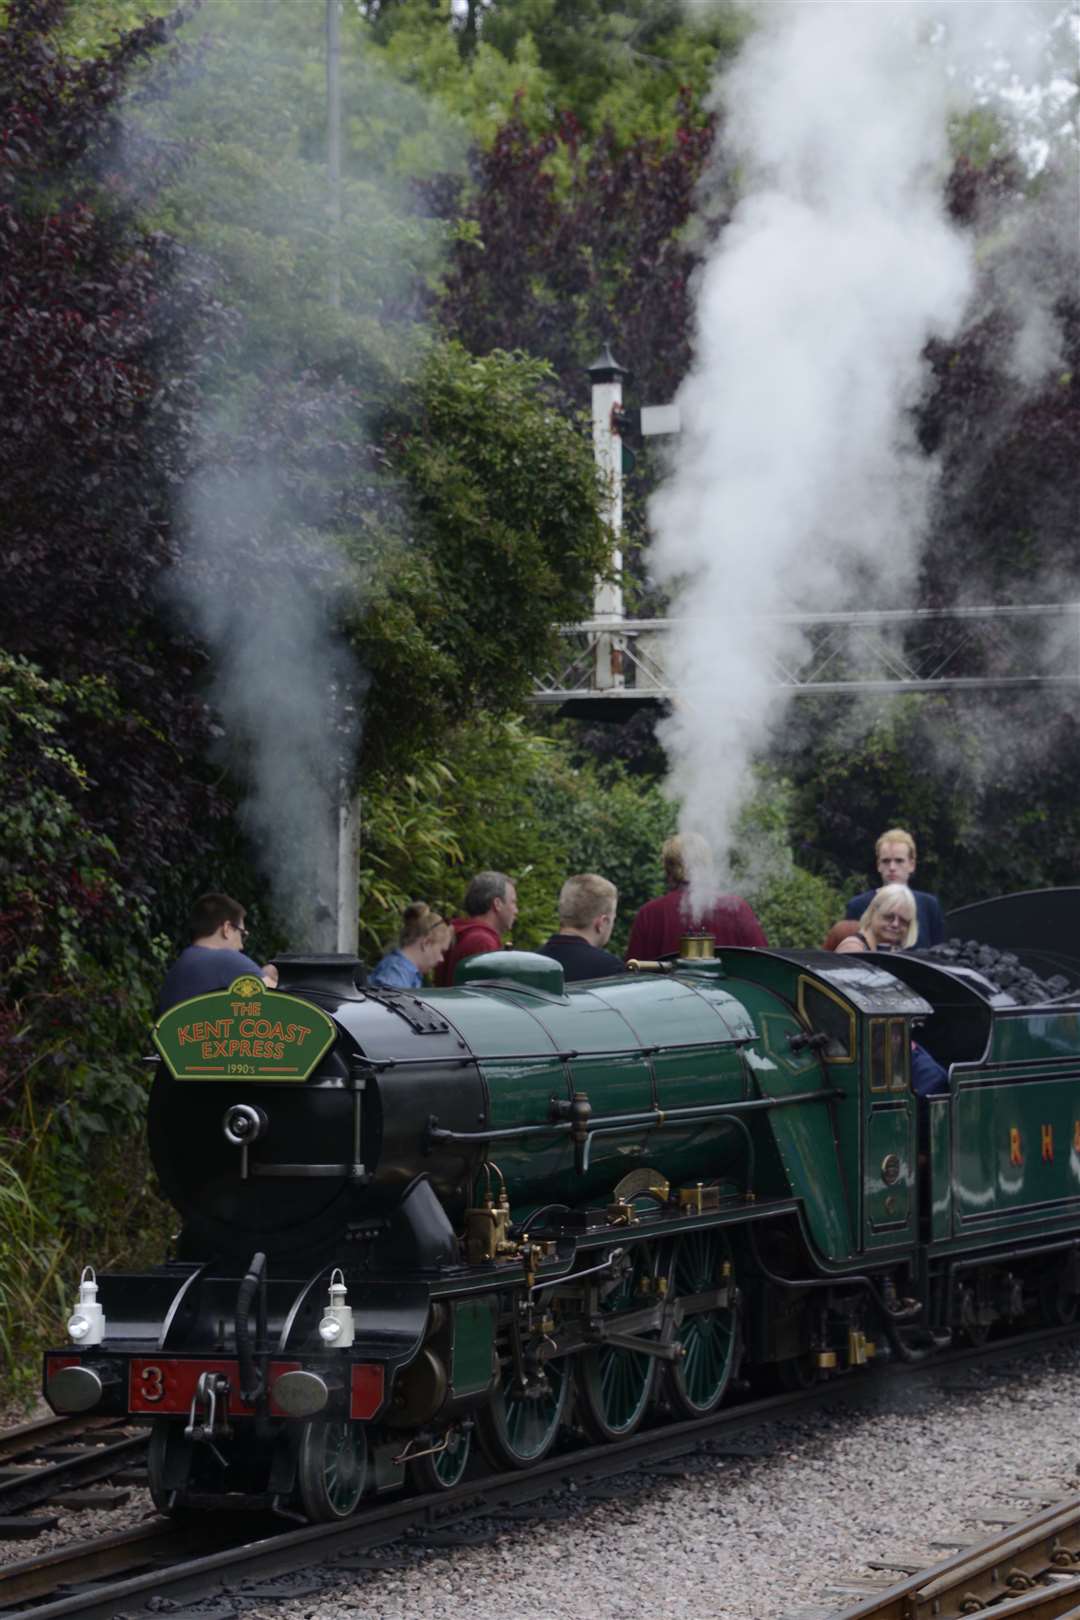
{"type": "Point", "coordinates": [337, 1327]}
{"type": "Point", "coordinates": [86, 1324]}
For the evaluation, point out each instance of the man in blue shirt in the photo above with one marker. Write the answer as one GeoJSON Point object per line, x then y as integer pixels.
{"type": "Point", "coordinates": [215, 956]}
{"type": "Point", "coordinates": [895, 856]}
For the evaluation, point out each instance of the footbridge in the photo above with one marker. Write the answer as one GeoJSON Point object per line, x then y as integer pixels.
{"type": "Point", "coordinates": [610, 664]}
{"type": "Point", "coordinates": [611, 660]}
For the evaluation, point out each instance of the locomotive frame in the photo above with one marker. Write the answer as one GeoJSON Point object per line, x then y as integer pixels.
{"type": "Point", "coordinates": [505, 1209]}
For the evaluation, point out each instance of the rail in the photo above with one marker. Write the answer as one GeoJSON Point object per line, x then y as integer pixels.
{"type": "Point", "coordinates": [55, 1583]}
{"type": "Point", "coordinates": [1029, 1572]}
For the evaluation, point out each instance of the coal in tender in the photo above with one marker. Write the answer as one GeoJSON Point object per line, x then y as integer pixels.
{"type": "Point", "coordinates": [1003, 969]}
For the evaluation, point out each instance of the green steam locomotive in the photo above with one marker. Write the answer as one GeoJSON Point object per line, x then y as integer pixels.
{"type": "Point", "coordinates": [413, 1221]}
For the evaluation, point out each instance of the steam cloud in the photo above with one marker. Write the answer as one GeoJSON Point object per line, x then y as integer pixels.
{"type": "Point", "coordinates": [796, 484]}
{"type": "Point", "coordinates": [286, 687]}
{"type": "Point", "coordinates": [261, 578]}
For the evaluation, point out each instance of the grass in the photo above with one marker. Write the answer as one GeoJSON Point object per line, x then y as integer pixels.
{"type": "Point", "coordinates": [47, 1235]}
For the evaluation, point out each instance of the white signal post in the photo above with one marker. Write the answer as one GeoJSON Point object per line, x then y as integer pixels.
{"type": "Point", "coordinates": [333, 927]}
{"type": "Point", "coordinates": [607, 380]}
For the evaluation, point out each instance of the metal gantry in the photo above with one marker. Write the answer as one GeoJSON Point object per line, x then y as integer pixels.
{"type": "Point", "coordinates": [888, 651]}
{"type": "Point", "coordinates": [610, 664]}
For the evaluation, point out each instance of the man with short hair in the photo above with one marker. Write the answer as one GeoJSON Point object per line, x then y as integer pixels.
{"type": "Point", "coordinates": [215, 956]}
{"type": "Point", "coordinates": [660, 924]}
{"type": "Point", "coordinates": [894, 854]}
{"type": "Point", "coordinates": [490, 908]}
{"type": "Point", "coordinates": [587, 905]}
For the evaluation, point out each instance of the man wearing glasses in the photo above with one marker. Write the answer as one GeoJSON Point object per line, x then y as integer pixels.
{"type": "Point", "coordinates": [215, 956]}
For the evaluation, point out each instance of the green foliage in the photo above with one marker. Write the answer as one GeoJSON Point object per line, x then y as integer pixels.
{"type": "Point", "coordinates": [609, 823]}
{"type": "Point", "coordinates": [987, 791]}
{"type": "Point", "coordinates": [92, 25]}
{"type": "Point", "coordinates": [63, 1206]}
{"type": "Point", "coordinates": [253, 191]}
{"type": "Point", "coordinates": [623, 66]}
{"type": "Point", "coordinates": [30, 1262]}
{"type": "Point", "coordinates": [795, 907]}
{"type": "Point", "coordinates": [463, 503]}
{"type": "Point", "coordinates": [474, 809]}
{"type": "Point", "coordinates": [57, 872]}
{"type": "Point", "coordinates": [79, 968]}
{"type": "Point", "coordinates": [505, 540]}
{"type": "Point", "coordinates": [502, 797]}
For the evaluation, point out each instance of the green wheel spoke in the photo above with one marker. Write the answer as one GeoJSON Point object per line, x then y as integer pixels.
{"type": "Point", "coordinates": [441, 1470]}
{"type": "Point", "coordinates": [616, 1385]}
{"type": "Point", "coordinates": [451, 1463]}
{"type": "Point", "coordinates": [520, 1427]}
{"type": "Point", "coordinates": [331, 1469]}
{"type": "Point", "coordinates": [697, 1382]}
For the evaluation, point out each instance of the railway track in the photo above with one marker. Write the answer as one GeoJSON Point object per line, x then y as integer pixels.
{"type": "Point", "coordinates": [65, 1462]}
{"type": "Point", "coordinates": [253, 1556]}
{"type": "Point", "coordinates": [276, 1553]}
{"type": "Point", "coordinates": [1029, 1571]}
{"type": "Point", "coordinates": [247, 1555]}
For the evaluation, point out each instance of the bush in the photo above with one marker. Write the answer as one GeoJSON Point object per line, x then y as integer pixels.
{"type": "Point", "coordinates": [80, 968]}
{"type": "Point", "coordinates": [611, 823]}
{"type": "Point", "coordinates": [500, 796]}
{"type": "Point", "coordinates": [474, 808]}
{"type": "Point", "coordinates": [796, 908]}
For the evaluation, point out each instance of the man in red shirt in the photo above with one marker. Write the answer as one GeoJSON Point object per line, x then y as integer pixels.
{"type": "Point", "coordinates": [490, 908]}
{"type": "Point", "coordinates": [660, 924]}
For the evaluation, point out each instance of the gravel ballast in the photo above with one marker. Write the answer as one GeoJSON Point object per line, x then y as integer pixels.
{"type": "Point", "coordinates": [743, 1537]}
{"type": "Point", "coordinates": [762, 1537]}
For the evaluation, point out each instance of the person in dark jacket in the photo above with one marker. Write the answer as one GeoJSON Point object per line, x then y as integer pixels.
{"type": "Point", "coordinates": [929, 1078]}
{"type": "Point", "coordinates": [490, 908]}
{"type": "Point", "coordinates": [894, 854]}
{"type": "Point", "coordinates": [660, 924]}
{"type": "Point", "coordinates": [216, 954]}
{"type": "Point", "coordinates": [587, 906]}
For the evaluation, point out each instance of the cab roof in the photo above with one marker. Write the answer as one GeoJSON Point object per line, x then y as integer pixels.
{"type": "Point", "coordinates": [864, 980]}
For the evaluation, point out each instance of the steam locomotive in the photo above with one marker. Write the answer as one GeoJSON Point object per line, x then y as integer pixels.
{"type": "Point", "coordinates": [414, 1221]}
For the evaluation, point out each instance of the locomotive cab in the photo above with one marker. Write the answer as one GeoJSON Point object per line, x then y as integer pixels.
{"type": "Point", "coordinates": [858, 1017]}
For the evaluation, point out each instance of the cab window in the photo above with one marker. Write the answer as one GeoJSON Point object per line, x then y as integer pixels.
{"type": "Point", "coordinates": [899, 1055]}
{"type": "Point", "coordinates": [826, 1013]}
{"type": "Point", "coordinates": [879, 1055]}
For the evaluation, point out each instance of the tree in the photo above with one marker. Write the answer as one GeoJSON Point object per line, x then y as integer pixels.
{"type": "Point", "coordinates": [992, 803]}
{"type": "Point", "coordinates": [558, 269]}
{"type": "Point", "coordinates": [618, 64]}
{"type": "Point", "coordinates": [506, 541]}
{"type": "Point", "coordinates": [104, 328]}
{"type": "Point", "coordinates": [1003, 412]}
{"type": "Point", "coordinates": [77, 956]}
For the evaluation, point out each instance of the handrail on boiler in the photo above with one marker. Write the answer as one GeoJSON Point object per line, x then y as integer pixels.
{"type": "Point", "coordinates": [582, 1130]}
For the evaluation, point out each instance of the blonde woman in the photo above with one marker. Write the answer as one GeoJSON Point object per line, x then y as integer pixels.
{"type": "Point", "coordinates": [423, 942]}
{"type": "Point", "coordinates": [889, 923]}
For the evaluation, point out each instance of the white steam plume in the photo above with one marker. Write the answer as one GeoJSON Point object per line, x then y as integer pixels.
{"type": "Point", "coordinates": [796, 484]}
{"type": "Point", "coordinates": [276, 523]}
{"type": "Point", "coordinates": [289, 693]}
